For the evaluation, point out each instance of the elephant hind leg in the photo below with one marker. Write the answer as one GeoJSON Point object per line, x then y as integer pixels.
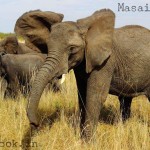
{"type": "Point", "coordinates": [82, 87]}
{"type": "Point", "coordinates": [125, 107]}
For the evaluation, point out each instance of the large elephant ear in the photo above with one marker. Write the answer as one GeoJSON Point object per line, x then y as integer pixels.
{"type": "Point", "coordinates": [35, 26]}
{"type": "Point", "coordinates": [100, 27]}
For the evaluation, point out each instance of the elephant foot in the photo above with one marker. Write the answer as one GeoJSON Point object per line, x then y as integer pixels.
{"type": "Point", "coordinates": [87, 134]}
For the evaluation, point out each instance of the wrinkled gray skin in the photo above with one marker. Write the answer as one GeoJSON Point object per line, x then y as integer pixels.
{"type": "Point", "coordinates": [19, 70]}
{"type": "Point", "coordinates": [105, 60]}
{"type": "Point", "coordinates": [10, 45]}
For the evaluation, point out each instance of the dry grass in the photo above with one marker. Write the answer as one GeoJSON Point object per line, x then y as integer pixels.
{"type": "Point", "coordinates": [60, 126]}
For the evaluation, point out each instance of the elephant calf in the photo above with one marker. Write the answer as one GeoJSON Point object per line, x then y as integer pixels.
{"type": "Point", "coordinates": [18, 71]}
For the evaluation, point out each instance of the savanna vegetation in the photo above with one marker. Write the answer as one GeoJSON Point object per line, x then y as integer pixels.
{"type": "Point", "coordinates": [58, 113]}
{"type": "Point", "coordinates": [3, 35]}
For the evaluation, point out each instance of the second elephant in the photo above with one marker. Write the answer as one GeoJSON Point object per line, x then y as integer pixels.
{"type": "Point", "coordinates": [18, 71]}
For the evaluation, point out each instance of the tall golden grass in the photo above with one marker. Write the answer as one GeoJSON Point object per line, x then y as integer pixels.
{"type": "Point", "coordinates": [60, 124]}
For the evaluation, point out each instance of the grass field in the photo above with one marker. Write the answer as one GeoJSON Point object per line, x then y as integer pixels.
{"type": "Point", "coordinates": [60, 125]}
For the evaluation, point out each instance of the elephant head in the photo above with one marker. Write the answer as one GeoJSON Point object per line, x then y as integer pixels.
{"type": "Point", "coordinates": [9, 45]}
{"type": "Point", "coordinates": [68, 43]}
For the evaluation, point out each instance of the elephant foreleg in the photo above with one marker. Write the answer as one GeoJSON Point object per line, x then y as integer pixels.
{"type": "Point", "coordinates": [81, 80]}
{"type": "Point", "coordinates": [125, 107]}
{"type": "Point", "coordinates": [97, 90]}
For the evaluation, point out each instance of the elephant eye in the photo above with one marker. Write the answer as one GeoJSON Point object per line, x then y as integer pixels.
{"type": "Point", "coordinates": [73, 49]}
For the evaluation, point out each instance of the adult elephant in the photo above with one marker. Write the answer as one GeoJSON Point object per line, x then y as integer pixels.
{"type": "Point", "coordinates": [19, 70]}
{"type": "Point", "coordinates": [105, 60]}
{"type": "Point", "coordinates": [10, 45]}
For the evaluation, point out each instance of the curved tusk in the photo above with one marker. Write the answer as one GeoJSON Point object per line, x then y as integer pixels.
{"type": "Point", "coordinates": [63, 78]}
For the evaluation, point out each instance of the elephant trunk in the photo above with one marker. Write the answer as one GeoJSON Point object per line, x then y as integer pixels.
{"type": "Point", "coordinates": [45, 74]}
